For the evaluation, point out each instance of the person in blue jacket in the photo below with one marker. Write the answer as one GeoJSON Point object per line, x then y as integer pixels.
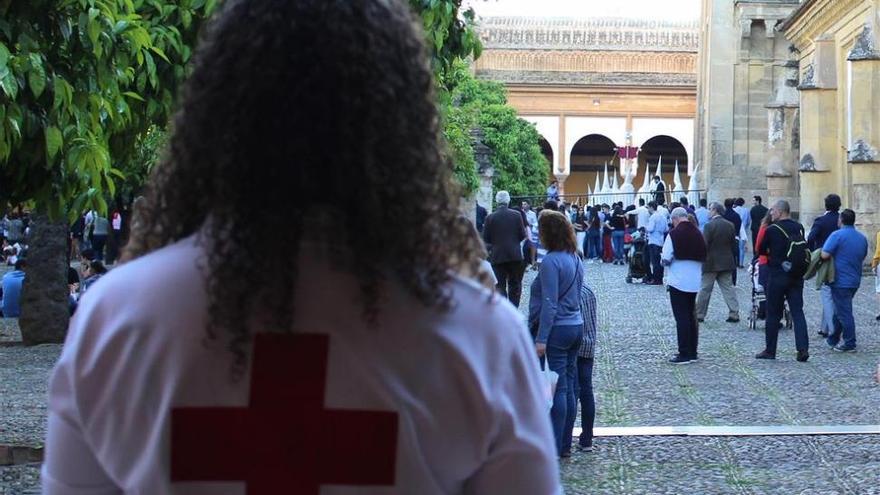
{"type": "Point", "coordinates": [11, 283]}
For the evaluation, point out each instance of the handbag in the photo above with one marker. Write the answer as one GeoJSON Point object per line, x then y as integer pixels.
{"type": "Point", "coordinates": [549, 379]}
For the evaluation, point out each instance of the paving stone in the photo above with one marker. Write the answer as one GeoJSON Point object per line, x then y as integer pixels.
{"type": "Point", "coordinates": [635, 386]}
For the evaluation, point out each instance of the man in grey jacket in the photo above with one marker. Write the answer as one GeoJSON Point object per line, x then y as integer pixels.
{"type": "Point", "coordinates": [720, 235]}
{"type": "Point", "coordinates": [503, 232]}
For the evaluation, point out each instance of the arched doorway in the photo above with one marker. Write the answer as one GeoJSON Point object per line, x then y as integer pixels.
{"type": "Point", "coordinates": [588, 158]}
{"type": "Point", "coordinates": [547, 151]}
{"type": "Point", "coordinates": [671, 150]}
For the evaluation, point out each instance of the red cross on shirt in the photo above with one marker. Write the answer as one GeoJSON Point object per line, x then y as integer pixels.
{"type": "Point", "coordinates": [285, 441]}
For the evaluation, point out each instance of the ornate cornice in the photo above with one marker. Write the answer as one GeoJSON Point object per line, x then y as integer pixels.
{"type": "Point", "coordinates": [864, 47]}
{"type": "Point", "coordinates": [814, 18]}
{"type": "Point", "coordinates": [546, 78]}
{"type": "Point", "coordinates": [524, 33]}
{"type": "Point", "coordinates": [586, 61]}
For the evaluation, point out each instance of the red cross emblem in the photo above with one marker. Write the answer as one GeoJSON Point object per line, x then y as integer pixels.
{"type": "Point", "coordinates": [285, 441]}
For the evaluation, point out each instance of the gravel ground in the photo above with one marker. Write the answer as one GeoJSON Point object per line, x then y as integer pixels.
{"type": "Point", "coordinates": [636, 387]}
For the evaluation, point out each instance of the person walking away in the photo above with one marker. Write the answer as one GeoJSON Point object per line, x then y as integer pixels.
{"type": "Point", "coordinates": [657, 228]}
{"type": "Point", "coordinates": [744, 230]}
{"type": "Point", "coordinates": [344, 345]}
{"type": "Point", "coordinates": [481, 217]}
{"type": "Point", "coordinates": [77, 230]}
{"type": "Point", "coordinates": [503, 233]}
{"type": "Point", "coordinates": [720, 235]}
{"type": "Point", "coordinates": [585, 360]}
{"type": "Point", "coordinates": [607, 230]}
{"type": "Point", "coordinates": [618, 231]}
{"type": "Point", "coordinates": [580, 229]}
{"type": "Point", "coordinates": [101, 229]}
{"type": "Point", "coordinates": [786, 249]}
{"type": "Point", "coordinates": [732, 216]}
{"type": "Point", "coordinates": [702, 214]}
{"type": "Point", "coordinates": [762, 262]}
{"type": "Point", "coordinates": [642, 215]}
{"type": "Point", "coordinates": [849, 248]}
{"type": "Point", "coordinates": [875, 265]}
{"type": "Point", "coordinates": [530, 249]}
{"type": "Point", "coordinates": [756, 216]}
{"type": "Point", "coordinates": [684, 253]}
{"type": "Point", "coordinates": [823, 227]}
{"type": "Point", "coordinates": [11, 283]}
{"type": "Point", "coordinates": [557, 291]}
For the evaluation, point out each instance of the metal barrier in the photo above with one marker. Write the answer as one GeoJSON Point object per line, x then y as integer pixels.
{"type": "Point", "coordinates": [693, 195]}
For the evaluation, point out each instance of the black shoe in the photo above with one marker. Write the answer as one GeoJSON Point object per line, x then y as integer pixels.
{"type": "Point", "coordinates": [700, 320]}
{"type": "Point", "coordinates": [823, 334]}
{"type": "Point", "coordinates": [565, 455]}
{"type": "Point", "coordinates": [802, 356]}
{"type": "Point", "coordinates": [765, 355]}
{"type": "Point", "coordinates": [878, 318]}
{"type": "Point", "coordinates": [585, 448]}
{"type": "Point", "coordinates": [843, 348]}
{"type": "Point", "coordinates": [679, 359]}
{"type": "Point", "coordinates": [732, 320]}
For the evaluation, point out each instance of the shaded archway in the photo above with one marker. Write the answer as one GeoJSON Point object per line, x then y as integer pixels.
{"type": "Point", "coordinates": [671, 150]}
{"type": "Point", "coordinates": [547, 151]}
{"type": "Point", "coordinates": [588, 158]}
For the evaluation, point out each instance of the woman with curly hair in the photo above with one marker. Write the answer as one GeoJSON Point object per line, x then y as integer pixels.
{"type": "Point", "coordinates": [554, 307]}
{"type": "Point", "coordinates": [259, 335]}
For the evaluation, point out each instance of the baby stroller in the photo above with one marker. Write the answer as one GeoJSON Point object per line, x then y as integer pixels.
{"type": "Point", "coordinates": [638, 259]}
{"type": "Point", "coordinates": [759, 298]}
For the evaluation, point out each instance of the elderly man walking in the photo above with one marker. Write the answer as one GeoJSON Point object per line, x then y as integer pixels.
{"type": "Point", "coordinates": [849, 248]}
{"type": "Point", "coordinates": [783, 241]}
{"type": "Point", "coordinates": [684, 252]}
{"type": "Point", "coordinates": [503, 232]}
{"type": "Point", "coordinates": [720, 235]}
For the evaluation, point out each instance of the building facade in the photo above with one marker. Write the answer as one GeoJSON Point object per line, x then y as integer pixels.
{"type": "Point", "coordinates": [591, 86]}
{"type": "Point", "coordinates": [789, 103]}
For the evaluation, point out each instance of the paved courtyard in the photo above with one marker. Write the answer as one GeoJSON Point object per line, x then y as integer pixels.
{"type": "Point", "coordinates": [636, 387]}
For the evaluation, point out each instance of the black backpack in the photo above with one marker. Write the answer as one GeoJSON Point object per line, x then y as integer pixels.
{"type": "Point", "coordinates": [797, 256]}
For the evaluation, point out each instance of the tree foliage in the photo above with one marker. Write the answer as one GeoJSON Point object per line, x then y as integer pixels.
{"type": "Point", "coordinates": [520, 167]}
{"type": "Point", "coordinates": [81, 81]}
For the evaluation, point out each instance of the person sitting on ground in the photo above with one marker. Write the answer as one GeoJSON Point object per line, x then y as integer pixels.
{"type": "Point", "coordinates": [92, 272]}
{"type": "Point", "coordinates": [849, 248]}
{"type": "Point", "coordinates": [555, 298]}
{"type": "Point", "coordinates": [11, 283]}
{"type": "Point", "coordinates": [684, 252]}
{"type": "Point", "coordinates": [235, 325]}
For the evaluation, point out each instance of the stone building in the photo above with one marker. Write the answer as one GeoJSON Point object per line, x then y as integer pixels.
{"type": "Point", "coordinates": [789, 103]}
{"type": "Point", "coordinates": [593, 85]}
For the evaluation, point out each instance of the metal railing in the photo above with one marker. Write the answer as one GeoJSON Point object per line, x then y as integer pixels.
{"type": "Point", "coordinates": [693, 195]}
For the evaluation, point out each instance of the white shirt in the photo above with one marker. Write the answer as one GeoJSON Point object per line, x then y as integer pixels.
{"type": "Point", "coordinates": [643, 215]}
{"type": "Point", "coordinates": [532, 219]}
{"type": "Point", "coordinates": [470, 412]}
{"type": "Point", "coordinates": [684, 275]}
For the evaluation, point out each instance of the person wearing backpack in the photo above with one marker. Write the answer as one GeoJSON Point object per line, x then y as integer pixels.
{"type": "Point", "coordinates": [788, 259]}
{"type": "Point", "coordinates": [849, 248]}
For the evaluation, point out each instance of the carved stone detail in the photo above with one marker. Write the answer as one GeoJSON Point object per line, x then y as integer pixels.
{"type": "Point", "coordinates": [588, 78]}
{"type": "Point", "coordinates": [864, 47]}
{"type": "Point", "coordinates": [589, 34]}
{"type": "Point", "coordinates": [808, 81]}
{"type": "Point", "coordinates": [807, 164]}
{"type": "Point", "coordinates": [863, 152]}
{"type": "Point", "coordinates": [587, 61]}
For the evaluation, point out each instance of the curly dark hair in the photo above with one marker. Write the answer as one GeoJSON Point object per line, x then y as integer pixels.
{"type": "Point", "coordinates": [556, 232]}
{"type": "Point", "coordinates": [298, 107]}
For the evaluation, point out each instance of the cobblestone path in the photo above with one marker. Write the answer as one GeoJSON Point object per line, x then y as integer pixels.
{"type": "Point", "coordinates": [636, 387]}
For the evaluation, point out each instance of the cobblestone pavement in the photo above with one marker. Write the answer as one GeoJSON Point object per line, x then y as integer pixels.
{"type": "Point", "coordinates": [636, 387]}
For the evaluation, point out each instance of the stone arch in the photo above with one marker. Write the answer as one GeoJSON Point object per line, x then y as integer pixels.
{"type": "Point", "coordinates": [547, 151]}
{"type": "Point", "coordinates": [587, 161]}
{"type": "Point", "coordinates": [672, 150]}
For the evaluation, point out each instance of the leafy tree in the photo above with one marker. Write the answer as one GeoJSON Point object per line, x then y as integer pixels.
{"type": "Point", "coordinates": [81, 81]}
{"type": "Point", "coordinates": [520, 167]}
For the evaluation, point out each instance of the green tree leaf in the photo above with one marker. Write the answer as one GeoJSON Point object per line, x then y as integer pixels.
{"type": "Point", "coordinates": [54, 140]}
{"type": "Point", "coordinates": [36, 75]}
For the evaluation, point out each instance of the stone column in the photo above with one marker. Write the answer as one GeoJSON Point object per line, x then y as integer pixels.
{"type": "Point", "coordinates": [864, 121]}
{"type": "Point", "coordinates": [818, 141]}
{"type": "Point", "coordinates": [783, 139]}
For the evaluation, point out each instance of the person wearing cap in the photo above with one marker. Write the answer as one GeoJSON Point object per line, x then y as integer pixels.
{"type": "Point", "coordinates": [503, 232]}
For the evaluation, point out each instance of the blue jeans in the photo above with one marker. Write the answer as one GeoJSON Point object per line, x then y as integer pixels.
{"type": "Point", "coordinates": [654, 252]}
{"type": "Point", "coordinates": [595, 244]}
{"type": "Point", "coordinates": [844, 323]}
{"type": "Point", "coordinates": [827, 325]}
{"type": "Point", "coordinates": [584, 393]}
{"type": "Point", "coordinates": [562, 347]}
{"type": "Point", "coordinates": [617, 244]}
{"type": "Point", "coordinates": [742, 252]}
